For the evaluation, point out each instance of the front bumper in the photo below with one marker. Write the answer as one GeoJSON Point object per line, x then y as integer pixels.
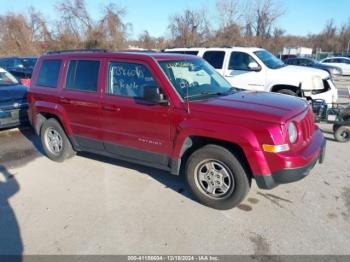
{"type": "Point", "coordinates": [290, 175]}
{"type": "Point", "coordinates": [329, 95]}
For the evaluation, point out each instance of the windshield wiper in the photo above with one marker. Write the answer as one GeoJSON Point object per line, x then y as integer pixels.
{"type": "Point", "coordinates": [228, 92]}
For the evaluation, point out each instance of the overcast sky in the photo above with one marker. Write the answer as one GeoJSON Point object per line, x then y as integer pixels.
{"type": "Point", "coordinates": [301, 17]}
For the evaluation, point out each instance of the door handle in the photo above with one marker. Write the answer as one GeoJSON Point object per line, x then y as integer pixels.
{"type": "Point", "coordinates": [111, 108]}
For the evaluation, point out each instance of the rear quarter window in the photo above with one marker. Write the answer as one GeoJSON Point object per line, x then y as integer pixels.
{"type": "Point", "coordinates": [49, 73]}
{"type": "Point", "coordinates": [83, 75]}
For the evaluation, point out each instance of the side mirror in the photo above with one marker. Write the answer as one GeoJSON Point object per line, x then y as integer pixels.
{"type": "Point", "coordinates": [253, 66]}
{"type": "Point", "coordinates": [153, 94]}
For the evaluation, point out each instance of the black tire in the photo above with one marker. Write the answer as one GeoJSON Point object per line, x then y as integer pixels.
{"type": "Point", "coordinates": [342, 134]}
{"type": "Point", "coordinates": [335, 127]}
{"type": "Point", "coordinates": [287, 92]}
{"type": "Point", "coordinates": [219, 156]}
{"type": "Point", "coordinates": [66, 151]}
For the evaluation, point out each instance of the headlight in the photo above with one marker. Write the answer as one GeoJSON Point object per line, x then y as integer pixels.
{"type": "Point", "coordinates": [336, 71]}
{"type": "Point", "coordinates": [317, 83]}
{"type": "Point", "coordinates": [292, 133]}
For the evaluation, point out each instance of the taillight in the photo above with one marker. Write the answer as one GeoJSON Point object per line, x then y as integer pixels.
{"type": "Point", "coordinates": [25, 82]}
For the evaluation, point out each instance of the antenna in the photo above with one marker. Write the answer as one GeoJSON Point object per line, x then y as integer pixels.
{"type": "Point", "coordinates": [187, 101]}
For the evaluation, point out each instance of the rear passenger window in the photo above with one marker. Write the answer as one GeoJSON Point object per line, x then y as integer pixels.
{"type": "Point", "coordinates": [49, 72]}
{"type": "Point", "coordinates": [215, 58]}
{"type": "Point", "coordinates": [129, 79]}
{"type": "Point", "coordinates": [83, 75]}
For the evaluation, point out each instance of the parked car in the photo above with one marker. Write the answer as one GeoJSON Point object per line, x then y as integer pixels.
{"type": "Point", "coordinates": [13, 101]}
{"type": "Point", "coordinates": [286, 57]}
{"type": "Point", "coordinates": [341, 62]}
{"type": "Point", "coordinates": [259, 70]}
{"type": "Point", "coordinates": [334, 71]}
{"type": "Point", "coordinates": [176, 113]}
{"type": "Point", "coordinates": [20, 67]}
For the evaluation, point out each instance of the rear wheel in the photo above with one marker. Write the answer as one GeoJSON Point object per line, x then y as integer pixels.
{"type": "Point", "coordinates": [55, 141]}
{"type": "Point", "coordinates": [216, 177]}
{"type": "Point", "coordinates": [342, 134]}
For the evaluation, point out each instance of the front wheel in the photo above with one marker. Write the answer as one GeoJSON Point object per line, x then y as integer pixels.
{"type": "Point", "coordinates": [342, 134]}
{"type": "Point", "coordinates": [216, 177]}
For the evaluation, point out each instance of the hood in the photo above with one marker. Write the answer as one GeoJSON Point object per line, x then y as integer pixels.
{"type": "Point", "coordinates": [300, 72]}
{"type": "Point", "coordinates": [261, 106]}
{"type": "Point", "coordinates": [324, 66]}
{"type": "Point", "coordinates": [13, 93]}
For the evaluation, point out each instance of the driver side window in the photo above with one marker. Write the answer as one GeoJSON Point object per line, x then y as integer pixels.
{"type": "Point", "coordinates": [129, 79]}
{"type": "Point", "coordinates": [240, 61]}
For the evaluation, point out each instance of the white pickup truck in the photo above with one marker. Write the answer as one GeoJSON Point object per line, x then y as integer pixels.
{"type": "Point", "coordinates": [257, 69]}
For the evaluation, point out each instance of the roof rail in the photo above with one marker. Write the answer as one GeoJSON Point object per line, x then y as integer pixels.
{"type": "Point", "coordinates": [77, 50]}
{"type": "Point", "coordinates": [138, 51]}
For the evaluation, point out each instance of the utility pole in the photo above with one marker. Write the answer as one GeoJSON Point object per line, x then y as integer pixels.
{"type": "Point", "coordinates": [348, 46]}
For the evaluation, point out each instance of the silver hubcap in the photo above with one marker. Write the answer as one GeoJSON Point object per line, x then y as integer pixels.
{"type": "Point", "coordinates": [345, 134]}
{"type": "Point", "coordinates": [214, 178]}
{"type": "Point", "coordinates": [53, 141]}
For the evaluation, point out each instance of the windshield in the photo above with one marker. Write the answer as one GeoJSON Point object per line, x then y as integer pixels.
{"type": "Point", "coordinates": [7, 79]}
{"type": "Point", "coordinates": [195, 79]}
{"type": "Point", "coordinates": [269, 59]}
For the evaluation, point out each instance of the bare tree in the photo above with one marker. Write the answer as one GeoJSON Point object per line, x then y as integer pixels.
{"type": "Point", "coordinates": [344, 37]}
{"type": "Point", "coordinates": [230, 12]}
{"type": "Point", "coordinates": [16, 35]}
{"type": "Point", "coordinates": [74, 17]}
{"type": "Point", "coordinates": [113, 27]}
{"type": "Point", "coordinates": [147, 41]}
{"type": "Point", "coordinates": [76, 28]}
{"type": "Point", "coordinates": [189, 28]}
{"type": "Point", "coordinates": [262, 17]}
{"type": "Point", "coordinates": [38, 26]}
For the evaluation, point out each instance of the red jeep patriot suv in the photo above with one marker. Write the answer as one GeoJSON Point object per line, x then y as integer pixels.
{"type": "Point", "coordinates": [176, 113]}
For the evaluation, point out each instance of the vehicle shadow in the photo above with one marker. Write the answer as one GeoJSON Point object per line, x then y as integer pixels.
{"type": "Point", "coordinates": [330, 139]}
{"type": "Point", "coordinates": [175, 183]}
{"type": "Point", "coordinates": [11, 246]}
{"type": "Point", "coordinates": [29, 133]}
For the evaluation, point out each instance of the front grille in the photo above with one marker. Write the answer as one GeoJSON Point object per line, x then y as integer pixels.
{"type": "Point", "coordinates": [308, 126]}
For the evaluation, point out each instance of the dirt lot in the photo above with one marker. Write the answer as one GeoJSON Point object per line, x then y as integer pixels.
{"type": "Point", "coordinates": [95, 205]}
